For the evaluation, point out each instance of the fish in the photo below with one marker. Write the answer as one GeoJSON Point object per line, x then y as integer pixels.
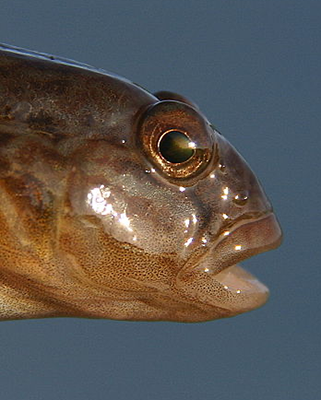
{"type": "Point", "coordinates": [118, 203]}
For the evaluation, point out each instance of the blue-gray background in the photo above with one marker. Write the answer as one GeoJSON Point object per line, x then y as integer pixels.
{"type": "Point", "coordinates": [254, 69]}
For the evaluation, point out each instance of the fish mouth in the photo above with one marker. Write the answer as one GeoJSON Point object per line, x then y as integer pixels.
{"type": "Point", "coordinates": [247, 240]}
{"type": "Point", "coordinates": [218, 281]}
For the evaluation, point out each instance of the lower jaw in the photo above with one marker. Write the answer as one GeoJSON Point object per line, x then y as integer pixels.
{"type": "Point", "coordinates": [237, 279]}
{"type": "Point", "coordinates": [243, 291]}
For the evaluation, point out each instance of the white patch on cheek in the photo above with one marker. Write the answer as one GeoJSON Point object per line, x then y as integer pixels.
{"type": "Point", "coordinates": [124, 221]}
{"type": "Point", "coordinates": [97, 200]}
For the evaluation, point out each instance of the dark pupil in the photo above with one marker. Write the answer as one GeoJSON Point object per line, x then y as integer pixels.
{"type": "Point", "coordinates": [175, 147]}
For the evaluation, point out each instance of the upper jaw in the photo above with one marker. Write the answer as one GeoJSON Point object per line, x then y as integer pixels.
{"type": "Point", "coordinates": [248, 239]}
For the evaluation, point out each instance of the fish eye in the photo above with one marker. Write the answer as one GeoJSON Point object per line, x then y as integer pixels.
{"type": "Point", "coordinates": [176, 147]}
{"type": "Point", "coordinates": [177, 140]}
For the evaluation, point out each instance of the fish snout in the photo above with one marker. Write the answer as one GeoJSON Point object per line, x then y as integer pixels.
{"type": "Point", "coordinates": [245, 240]}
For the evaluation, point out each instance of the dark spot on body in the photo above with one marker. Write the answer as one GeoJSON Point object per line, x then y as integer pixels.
{"type": "Point", "coordinates": [42, 121]}
{"type": "Point", "coordinates": [5, 139]}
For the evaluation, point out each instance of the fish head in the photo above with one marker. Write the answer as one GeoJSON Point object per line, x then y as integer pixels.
{"type": "Point", "coordinates": [166, 212]}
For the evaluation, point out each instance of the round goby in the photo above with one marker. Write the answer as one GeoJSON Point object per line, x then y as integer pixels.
{"type": "Point", "coordinates": [117, 203]}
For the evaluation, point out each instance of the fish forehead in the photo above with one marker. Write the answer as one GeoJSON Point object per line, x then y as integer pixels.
{"type": "Point", "coordinates": [66, 99]}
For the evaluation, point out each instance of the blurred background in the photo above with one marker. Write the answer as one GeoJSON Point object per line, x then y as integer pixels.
{"type": "Point", "coordinates": [253, 67]}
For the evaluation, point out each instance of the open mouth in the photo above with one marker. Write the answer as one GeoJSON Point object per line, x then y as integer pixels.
{"type": "Point", "coordinates": [247, 240]}
{"type": "Point", "coordinates": [243, 289]}
{"type": "Point", "coordinates": [218, 281]}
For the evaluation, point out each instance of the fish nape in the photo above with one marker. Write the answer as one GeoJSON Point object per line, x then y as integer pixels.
{"type": "Point", "coordinates": [117, 203]}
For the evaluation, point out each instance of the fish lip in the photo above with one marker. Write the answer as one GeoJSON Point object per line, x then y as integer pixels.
{"type": "Point", "coordinates": [242, 242]}
{"type": "Point", "coordinates": [255, 237]}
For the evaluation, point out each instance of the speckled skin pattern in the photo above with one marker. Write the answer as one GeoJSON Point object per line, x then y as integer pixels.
{"type": "Point", "coordinates": [95, 222]}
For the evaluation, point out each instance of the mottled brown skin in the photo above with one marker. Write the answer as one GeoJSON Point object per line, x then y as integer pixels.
{"type": "Point", "coordinates": [95, 222]}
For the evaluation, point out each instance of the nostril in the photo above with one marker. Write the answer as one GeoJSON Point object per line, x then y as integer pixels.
{"type": "Point", "coordinates": [241, 198]}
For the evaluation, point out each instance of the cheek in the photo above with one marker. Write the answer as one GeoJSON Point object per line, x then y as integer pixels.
{"type": "Point", "coordinates": [136, 210]}
{"type": "Point", "coordinates": [153, 222]}
{"type": "Point", "coordinates": [133, 203]}
{"type": "Point", "coordinates": [158, 225]}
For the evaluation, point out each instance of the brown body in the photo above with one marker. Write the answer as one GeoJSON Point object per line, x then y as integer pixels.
{"type": "Point", "coordinates": [96, 222]}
